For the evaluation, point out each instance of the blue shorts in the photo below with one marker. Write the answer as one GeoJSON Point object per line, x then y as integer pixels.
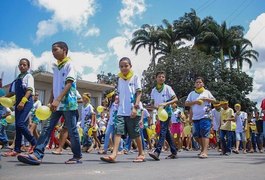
{"type": "Point", "coordinates": [202, 128]}
{"type": "Point", "coordinates": [241, 136]}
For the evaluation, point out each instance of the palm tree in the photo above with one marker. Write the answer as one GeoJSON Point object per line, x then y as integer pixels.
{"type": "Point", "coordinates": [147, 35]}
{"type": "Point", "coordinates": [169, 39]}
{"type": "Point", "coordinates": [221, 39]}
{"type": "Point", "coordinates": [240, 53]}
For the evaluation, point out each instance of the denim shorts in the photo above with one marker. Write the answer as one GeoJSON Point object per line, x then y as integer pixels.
{"type": "Point", "coordinates": [202, 128]}
{"type": "Point", "coordinates": [241, 136]}
{"type": "Point", "coordinates": [124, 125]}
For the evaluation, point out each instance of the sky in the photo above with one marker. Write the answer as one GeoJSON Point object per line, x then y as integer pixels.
{"type": "Point", "coordinates": [98, 32]}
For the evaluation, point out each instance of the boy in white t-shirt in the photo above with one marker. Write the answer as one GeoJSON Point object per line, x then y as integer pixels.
{"type": "Point", "coordinates": [216, 121]}
{"type": "Point", "coordinates": [162, 96]}
{"type": "Point", "coordinates": [241, 119]}
{"type": "Point", "coordinates": [200, 101]}
{"type": "Point", "coordinates": [63, 102]}
{"type": "Point", "coordinates": [129, 110]}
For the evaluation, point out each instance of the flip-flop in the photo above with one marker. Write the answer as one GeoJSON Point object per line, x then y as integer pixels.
{"type": "Point", "coordinates": [73, 161]}
{"type": "Point", "coordinates": [57, 153]}
{"type": "Point", "coordinates": [203, 156]}
{"type": "Point", "coordinates": [139, 159]}
{"type": "Point", "coordinates": [28, 159]}
{"type": "Point", "coordinates": [107, 159]}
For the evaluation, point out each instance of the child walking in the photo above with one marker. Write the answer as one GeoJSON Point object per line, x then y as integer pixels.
{"type": "Point", "coordinates": [200, 102]}
{"type": "Point", "coordinates": [129, 91]}
{"type": "Point", "coordinates": [23, 88]}
{"type": "Point", "coordinates": [162, 96]}
{"type": "Point", "coordinates": [63, 102]}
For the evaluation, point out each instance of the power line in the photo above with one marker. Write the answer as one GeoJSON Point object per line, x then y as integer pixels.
{"type": "Point", "coordinates": [231, 14]}
{"type": "Point", "coordinates": [258, 33]}
{"type": "Point", "coordinates": [237, 15]}
{"type": "Point", "coordinates": [206, 5]}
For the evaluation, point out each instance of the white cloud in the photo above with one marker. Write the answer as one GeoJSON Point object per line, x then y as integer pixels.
{"type": "Point", "coordinates": [11, 53]}
{"type": "Point", "coordinates": [70, 15]}
{"type": "Point", "coordinates": [256, 35]}
{"type": "Point", "coordinates": [94, 31]}
{"type": "Point", "coordinates": [121, 48]}
{"type": "Point", "coordinates": [131, 8]}
{"type": "Point", "coordinates": [45, 28]}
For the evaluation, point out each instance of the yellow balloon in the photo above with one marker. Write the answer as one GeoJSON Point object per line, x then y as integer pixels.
{"type": "Point", "coordinates": [100, 109]}
{"type": "Point", "coordinates": [233, 126]}
{"type": "Point", "coordinates": [175, 135]}
{"type": "Point", "coordinates": [80, 132]}
{"type": "Point", "coordinates": [43, 112]}
{"type": "Point", "coordinates": [153, 127]}
{"type": "Point", "coordinates": [201, 101]}
{"type": "Point", "coordinates": [162, 115]}
{"type": "Point", "coordinates": [6, 102]}
{"type": "Point", "coordinates": [103, 128]}
{"type": "Point", "coordinates": [187, 130]}
{"type": "Point", "coordinates": [90, 131]}
{"type": "Point", "coordinates": [13, 98]}
{"type": "Point", "coordinates": [149, 132]}
{"type": "Point", "coordinates": [94, 129]}
{"type": "Point", "coordinates": [10, 119]}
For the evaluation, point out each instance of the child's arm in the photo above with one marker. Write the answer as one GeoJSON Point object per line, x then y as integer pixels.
{"type": "Point", "coordinates": [20, 106]}
{"type": "Point", "coordinates": [136, 105]}
{"type": "Point", "coordinates": [56, 102]}
{"type": "Point", "coordinates": [173, 100]}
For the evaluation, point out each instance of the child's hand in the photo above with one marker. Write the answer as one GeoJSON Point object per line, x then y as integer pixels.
{"type": "Point", "coordinates": [54, 105]}
{"type": "Point", "coordinates": [134, 113]}
{"type": "Point", "coordinates": [20, 106]}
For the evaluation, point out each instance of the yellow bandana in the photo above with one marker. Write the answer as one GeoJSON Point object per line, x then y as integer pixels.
{"type": "Point", "coordinates": [200, 90]}
{"type": "Point", "coordinates": [60, 64]}
{"type": "Point", "coordinates": [127, 77]}
{"type": "Point", "coordinates": [160, 87]}
{"type": "Point", "coordinates": [110, 94]}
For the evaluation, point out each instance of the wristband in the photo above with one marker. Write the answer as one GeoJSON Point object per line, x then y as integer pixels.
{"type": "Point", "coordinates": [24, 100]}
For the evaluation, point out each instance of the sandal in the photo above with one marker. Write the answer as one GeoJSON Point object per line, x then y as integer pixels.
{"type": "Point", "coordinates": [73, 161]}
{"type": "Point", "coordinates": [107, 159]}
{"type": "Point", "coordinates": [203, 156]}
{"type": "Point", "coordinates": [10, 154]}
{"type": "Point", "coordinates": [57, 152]}
{"type": "Point", "coordinates": [102, 152]}
{"type": "Point", "coordinates": [29, 159]}
{"type": "Point", "coordinates": [172, 156]}
{"type": "Point", "coordinates": [139, 159]}
{"type": "Point", "coordinates": [235, 151]}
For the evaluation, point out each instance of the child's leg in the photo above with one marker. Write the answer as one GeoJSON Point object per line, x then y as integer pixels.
{"type": "Point", "coordinates": [70, 121]}
{"type": "Point", "coordinates": [46, 134]}
{"type": "Point", "coordinates": [139, 145]}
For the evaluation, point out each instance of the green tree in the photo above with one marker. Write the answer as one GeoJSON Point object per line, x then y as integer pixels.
{"type": "Point", "coordinates": [146, 36]}
{"type": "Point", "coordinates": [108, 78]}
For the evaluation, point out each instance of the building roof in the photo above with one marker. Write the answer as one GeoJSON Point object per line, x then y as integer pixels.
{"type": "Point", "coordinates": [48, 77]}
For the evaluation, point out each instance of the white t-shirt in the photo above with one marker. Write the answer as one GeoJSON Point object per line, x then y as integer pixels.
{"type": "Point", "coordinates": [216, 117]}
{"type": "Point", "coordinates": [27, 82]}
{"type": "Point", "coordinates": [200, 111]}
{"type": "Point", "coordinates": [60, 76]}
{"type": "Point", "coordinates": [127, 91]}
{"type": "Point", "coordinates": [86, 114]}
{"type": "Point", "coordinates": [240, 119]}
{"type": "Point", "coordinates": [175, 118]}
{"type": "Point", "coordinates": [164, 96]}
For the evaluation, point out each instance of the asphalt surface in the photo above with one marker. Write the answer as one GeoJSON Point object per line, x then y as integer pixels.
{"type": "Point", "coordinates": [187, 166]}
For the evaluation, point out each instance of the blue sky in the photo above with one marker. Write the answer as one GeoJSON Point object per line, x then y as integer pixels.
{"type": "Point", "coordinates": [98, 31]}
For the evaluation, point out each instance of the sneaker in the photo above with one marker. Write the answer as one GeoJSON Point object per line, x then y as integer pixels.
{"type": "Point", "coordinates": [154, 155]}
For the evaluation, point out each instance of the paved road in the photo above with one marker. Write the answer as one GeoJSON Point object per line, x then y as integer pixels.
{"type": "Point", "coordinates": [187, 166]}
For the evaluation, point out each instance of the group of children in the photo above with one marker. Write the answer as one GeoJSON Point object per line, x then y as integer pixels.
{"type": "Point", "coordinates": [125, 115]}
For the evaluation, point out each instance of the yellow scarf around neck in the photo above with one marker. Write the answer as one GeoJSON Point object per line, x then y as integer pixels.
{"type": "Point", "coordinates": [160, 87]}
{"type": "Point", "coordinates": [200, 90]}
{"type": "Point", "coordinates": [60, 64]}
{"type": "Point", "coordinates": [127, 77]}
